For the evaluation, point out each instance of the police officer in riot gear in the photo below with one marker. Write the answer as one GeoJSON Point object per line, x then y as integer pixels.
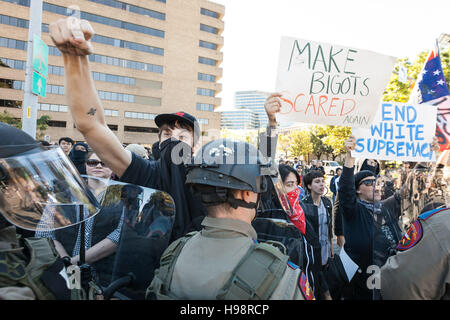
{"type": "Point", "coordinates": [31, 196]}
{"type": "Point", "coordinates": [419, 270]}
{"type": "Point", "coordinates": [224, 260]}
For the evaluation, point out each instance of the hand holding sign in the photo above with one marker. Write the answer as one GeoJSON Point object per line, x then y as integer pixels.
{"type": "Point", "coordinates": [71, 36]}
{"type": "Point", "coordinates": [272, 106]}
{"type": "Point", "coordinates": [329, 84]}
{"type": "Point", "coordinates": [350, 144]}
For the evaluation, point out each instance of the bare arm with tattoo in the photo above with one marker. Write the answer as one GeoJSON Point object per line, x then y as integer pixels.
{"type": "Point", "coordinates": [72, 37]}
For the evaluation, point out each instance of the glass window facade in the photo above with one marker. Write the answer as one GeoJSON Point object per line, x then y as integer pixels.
{"type": "Point", "coordinates": [13, 44]}
{"type": "Point", "coordinates": [206, 77]}
{"type": "Point", "coordinates": [209, 13]}
{"type": "Point", "coordinates": [205, 107]}
{"type": "Point", "coordinates": [132, 8]}
{"type": "Point", "coordinates": [15, 22]}
{"type": "Point", "coordinates": [53, 107]}
{"type": "Point", "coordinates": [56, 70]}
{"type": "Point", "coordinates": [208, 45]}
{"type": "Point", "coordinates": [205, 92]}
{"type": "Point", "coordinates": [111, 113]}
{"type": "Point", "coordinates": [98, 76]}
{"type": "Point", "coordinates": [206, 28]}
{"type": "Point", "coordinates": [104, 20]}
{"type": "Point", "coordinates": [13, 64]}
{"type": "Point", "coordinates": [139, 115]}
{"type": "Point", "coordinates": [207, 61]}
{"type": "Point", "coordinates": [127, 44]}
{"type": "Point", "coordinates": [10, 103]}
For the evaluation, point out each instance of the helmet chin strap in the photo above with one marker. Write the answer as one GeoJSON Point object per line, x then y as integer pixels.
{"type": "Point", "coordinates": [241, 203]}
{"type": "Point", "coordinates": [221, 195]}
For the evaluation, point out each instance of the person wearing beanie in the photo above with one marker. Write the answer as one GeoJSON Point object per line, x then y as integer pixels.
{"type": "Point", "coordinates": [370, 226]}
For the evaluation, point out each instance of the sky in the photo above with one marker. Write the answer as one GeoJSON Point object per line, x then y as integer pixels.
{"type": "Point", "coordinates": [253, 30]}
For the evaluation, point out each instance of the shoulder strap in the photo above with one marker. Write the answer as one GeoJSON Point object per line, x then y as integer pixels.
{"type": "Point", "coordinates": [257, 275]}
{"type": "Point", "coordinates": [43, 255]}
{"type": "Point", "coordinates": [163, 276]}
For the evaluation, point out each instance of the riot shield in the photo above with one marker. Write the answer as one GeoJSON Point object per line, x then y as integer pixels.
{"type": "Point", "coordinates": [147, 220]}
{"type": "Point", "coordinates": [126, 237]}
{"type": "Point", "coordinates": [39, 189]}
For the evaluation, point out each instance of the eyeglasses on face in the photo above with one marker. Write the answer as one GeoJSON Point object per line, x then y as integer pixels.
{"type": "Point", "coordinates": [368, 182]}
{"type": "Point", "coordinates": [94, 163]}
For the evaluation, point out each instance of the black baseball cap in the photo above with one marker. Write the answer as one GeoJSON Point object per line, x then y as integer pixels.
{"type": "Point", "coordinates": [180, 116]}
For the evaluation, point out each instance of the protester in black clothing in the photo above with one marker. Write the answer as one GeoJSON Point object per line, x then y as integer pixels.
{"type": "Point", "coordinates": [319, 228]}
{"type": "Point", "coordinates": [78, 155]}
{"type": "Point", "coordinates": [178, 132]}
{"type": "Point", "coordinates": [156, 153]}
{"type": "Point", "coordinates": [371, 227]}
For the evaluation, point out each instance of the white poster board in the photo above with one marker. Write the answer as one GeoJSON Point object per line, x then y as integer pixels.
{"type": "Point", "coordinates": [400, 131]}
{"type": "Point", "coordinates": [328, 84]}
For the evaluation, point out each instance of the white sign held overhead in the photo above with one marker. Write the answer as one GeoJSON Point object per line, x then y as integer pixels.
{"type": "Point", "coordinates": [329, 84]}
{"type": "Point", "coordinates": [400, 131]}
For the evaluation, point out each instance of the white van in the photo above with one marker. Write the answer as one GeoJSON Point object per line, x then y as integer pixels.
{"type": "Point", "coordinates": [330, 167]}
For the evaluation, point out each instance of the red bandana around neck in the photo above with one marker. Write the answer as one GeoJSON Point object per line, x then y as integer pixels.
{"type": "Point", "coordinates": [298, 216]}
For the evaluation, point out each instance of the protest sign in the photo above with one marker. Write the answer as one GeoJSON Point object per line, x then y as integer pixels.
{"type": "Point", "coordinates": [328, 84]}
{"type": "Point", "coordinates": [400, 131]}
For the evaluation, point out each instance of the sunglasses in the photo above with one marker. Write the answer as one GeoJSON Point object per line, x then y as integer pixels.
{"type": "Point", "coordinates": [368, 183]}
{"type": "Point", "coordinates": [94, 163]}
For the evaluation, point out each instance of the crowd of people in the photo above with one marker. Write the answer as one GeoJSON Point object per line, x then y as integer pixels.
{"type": "Point", "coordinates": [249, 229]}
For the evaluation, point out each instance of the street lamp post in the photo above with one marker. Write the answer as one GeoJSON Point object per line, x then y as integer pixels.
{"type": "Point", "coordinates": [30, 100]}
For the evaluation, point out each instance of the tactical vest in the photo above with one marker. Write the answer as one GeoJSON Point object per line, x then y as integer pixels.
{"type": "Point", "coordinates": [14, 270]}
{"type": "Point", "coordinates": [255, 277]}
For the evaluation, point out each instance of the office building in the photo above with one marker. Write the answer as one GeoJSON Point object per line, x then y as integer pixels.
{"type": "Point", "coordinates": [150, 57]}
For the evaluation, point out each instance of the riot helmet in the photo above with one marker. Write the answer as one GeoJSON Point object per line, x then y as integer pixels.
{"type": "Point", "coordinates": [38, 183]}
{"type": "Point", "coordinates": [223, 165]}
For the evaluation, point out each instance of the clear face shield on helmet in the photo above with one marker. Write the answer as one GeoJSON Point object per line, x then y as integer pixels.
{"type": "Point", "coordinates": [40, 187]}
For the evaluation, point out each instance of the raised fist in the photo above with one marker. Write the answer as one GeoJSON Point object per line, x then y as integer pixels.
{"type": "Point", "coordinates": [71, 36]}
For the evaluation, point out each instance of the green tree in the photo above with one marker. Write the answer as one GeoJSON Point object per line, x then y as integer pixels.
{"type": "Point", "coordinates": [318, 134]}
{"type": "Point", "coordinates": [283, 144]}
{"type": "Point", "coordinates": [336, 139]}
{"type": "Point", "coordinates": [300, 143]}
{"type": "Point", "coordinates": [41, 123]}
